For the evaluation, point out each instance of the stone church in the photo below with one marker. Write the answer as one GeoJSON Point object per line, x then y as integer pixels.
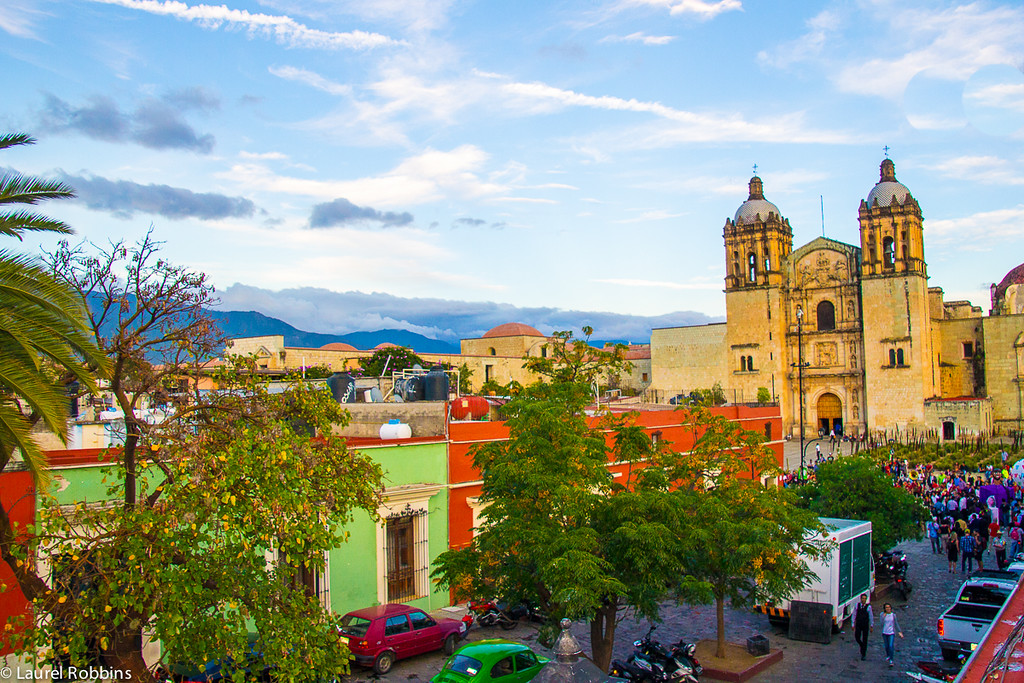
{"type": "Point", "coordinates": [854, 330]}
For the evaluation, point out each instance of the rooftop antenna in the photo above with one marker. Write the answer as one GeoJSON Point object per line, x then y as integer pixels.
{"type": "Point", "coordinates": [822, 197]}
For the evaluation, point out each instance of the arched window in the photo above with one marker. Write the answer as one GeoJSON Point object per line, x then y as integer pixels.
{"type": "Point", "coordinates": [492, 351]}
{"type": "Point", "coordinates": [899, 357]}
{"type": "Point", "coordinates": [889, 252]}
{"type": "Point", "coordinates": [750, 363]}
{"type": "Point", "coordinates": [743, 363]}
{"type": "Point", "coordinates": [892, 358]}
{"type": "Point", "coordinates": [826, 316]}
{"type": "Point", "coordinates": [752, 264]}
{"type": "Point", "coordinates": [767, 263]}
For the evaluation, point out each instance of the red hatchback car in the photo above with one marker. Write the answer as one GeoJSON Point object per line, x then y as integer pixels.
{"type": "Point", "coordinates": [378, 636]}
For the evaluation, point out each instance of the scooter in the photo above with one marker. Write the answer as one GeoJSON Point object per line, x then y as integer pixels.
{"type": "Point", "coordinates": [490, 614]}
{"type": "Point", "coordinates": [652, 662]}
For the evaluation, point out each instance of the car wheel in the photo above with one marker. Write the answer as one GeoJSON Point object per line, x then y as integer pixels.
{"type": "Point", "coordinates": [384, 662]}
{"type": "Point", "coordinates": [450, 643]}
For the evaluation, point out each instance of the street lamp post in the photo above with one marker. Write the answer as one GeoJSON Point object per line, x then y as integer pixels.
{"type": "Point", "coordinates": [800, 378]}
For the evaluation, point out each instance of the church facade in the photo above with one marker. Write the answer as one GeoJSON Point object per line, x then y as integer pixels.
{"type": "Point", "coordinates": [852, 330]}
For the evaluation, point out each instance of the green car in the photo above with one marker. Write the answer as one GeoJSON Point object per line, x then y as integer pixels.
{"type": "Point", "coordinates": [491, 660]}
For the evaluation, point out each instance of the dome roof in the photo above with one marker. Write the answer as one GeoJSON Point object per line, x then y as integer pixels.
{"type": "Point", "coordinates": [1014, 277]}
{"type": "Point", "coordinates": [385, 345]}
{"type": "Point", "coordinates": [888, 187]}
{"type": "Point", "coordinates": [338, 346]}
{"type": "Point", "coordinates": [756, 207]}
{"type": "Point", "coordinates": [513, 330]}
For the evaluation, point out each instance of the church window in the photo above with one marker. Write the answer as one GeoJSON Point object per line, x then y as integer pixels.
{"type": "Point", "coordinates": [767, 263]}
{"type": "Point", "coordinates": [904, 248]}
{"type": "Point", "coordinates": [743, 363]}
{"type": "Point", "coordinates": [899, 357]}
{"type": "Point", "coordinates": [492, 351]}
{"type": "Point", "coordinates": [968, 349]}
{"type": "Point", "coordinates": [892, 358]}
{"type": "Point", "coordinates": [889, 252]}
{"type": "Point", "coordinates": [750, 363]}
{"type": "Point", "coordinates": [826, 316]}
{"type": "Point", "coordinates": [752, 262]}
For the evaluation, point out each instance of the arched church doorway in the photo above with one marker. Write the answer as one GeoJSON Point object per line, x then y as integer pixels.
{"type": "Point", "coordinates": [830, 414]}
{"type": "Point", "coordinates": [948, 430]}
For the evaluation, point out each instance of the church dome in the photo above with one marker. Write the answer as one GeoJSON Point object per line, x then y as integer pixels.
{"type": "Point", "coordinates": [1014, 277]}
{"type": "Point", "coordinates": [756, 207]}
{"type": "Point", "coordinates": [338, 346]}
{"type": "Point", "coordinates": [513, 330]}
{"type": "Point", "coordinates": [888, 187]}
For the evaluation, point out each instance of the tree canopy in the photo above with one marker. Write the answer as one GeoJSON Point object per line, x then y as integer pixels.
{"type": "Point", "coordinates": [221, 476]}
{"type": "Point", "coordinates": [856, 487]}
{"type": "Point", "coordinates": [45, 342]}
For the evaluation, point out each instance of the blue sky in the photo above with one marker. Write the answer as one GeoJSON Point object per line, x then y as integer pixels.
{"type": "Point", "coordinates": [575, 156]}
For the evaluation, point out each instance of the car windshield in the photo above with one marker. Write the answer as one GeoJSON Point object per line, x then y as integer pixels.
{"type": "Point", "coordinates": [354, 626]}
{"type": "Point", "coordinates": [461, 664]}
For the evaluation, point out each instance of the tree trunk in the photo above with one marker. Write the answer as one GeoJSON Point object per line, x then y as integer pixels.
{"type": "Point", "coordinates": [125, 654]}
{"type": "Point", "coordinates": [720, 613]}
{"type": "Point", "coordinates": [602, 634]}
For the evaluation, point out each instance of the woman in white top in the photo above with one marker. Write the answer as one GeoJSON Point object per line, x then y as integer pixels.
{"type": "Point", "coordinates": [890, 627]}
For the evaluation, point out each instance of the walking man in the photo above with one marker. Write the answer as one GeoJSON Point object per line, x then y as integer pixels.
{"type": "Point", "coordinates": [933, 535]}
{"type": "Point", "coordinates": [967, 552]}
{"type": "Point", "coordinates": [863, 623]}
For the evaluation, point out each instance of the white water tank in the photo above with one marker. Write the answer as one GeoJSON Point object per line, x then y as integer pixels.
{"type": "Point", "coordinates": [395, 429]}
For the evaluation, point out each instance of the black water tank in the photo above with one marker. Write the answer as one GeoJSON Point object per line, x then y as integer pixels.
{"type": "Point", "coordinates": [343, 387]}
{"type": "Point", "coordinates": [410, 389]}
{"type": "Point", "coordinates": [435, 385]}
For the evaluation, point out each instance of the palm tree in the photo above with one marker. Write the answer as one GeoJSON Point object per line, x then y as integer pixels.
{"type": "Point", "coordinates": [45, 338]}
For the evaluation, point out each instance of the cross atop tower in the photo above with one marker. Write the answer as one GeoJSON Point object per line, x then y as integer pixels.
{"type": "Point", "coordinates": [755, 169]}
{"type": "Point", "coordinates": [886, 150]}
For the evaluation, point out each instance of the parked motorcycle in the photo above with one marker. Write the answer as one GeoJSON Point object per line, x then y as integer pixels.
{"type": "Point", "coordinates": [489, 613]}
{"type": "Point", "coordinates": [651, 662]}
{"type": "Point", "coordinates": [893, 565]}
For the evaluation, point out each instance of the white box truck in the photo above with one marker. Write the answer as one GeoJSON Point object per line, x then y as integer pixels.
{"type": "Point", "coordinates": [842, 576]}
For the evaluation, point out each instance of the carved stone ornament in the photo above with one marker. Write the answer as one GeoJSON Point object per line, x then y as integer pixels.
{"type": "Point", "coordinates": [827, 354]}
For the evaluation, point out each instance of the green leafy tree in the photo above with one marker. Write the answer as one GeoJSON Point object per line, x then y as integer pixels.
{"type": "Point", "coordinates": [857, 488]}
{"type": "Point", "coordinates": [45, 341]}
{"type": "Point", "coordinates": [465, 379]}
{"type": "Point", "coordinates": [556, 529]}
{"type": "Point", "coordinates": [763, 395]}
{"type": "Point", "coordinates": [390, 358]}
{"type": "Point", "coordinates": [743, 542]}
{"type": "Point", "coordinates": [572, 360]}
{"type": "Point", "coordinates": [221, 477]}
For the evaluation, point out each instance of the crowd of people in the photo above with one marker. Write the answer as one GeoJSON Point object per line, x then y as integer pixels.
{"type": "Point", "coordinates": [973, 514]}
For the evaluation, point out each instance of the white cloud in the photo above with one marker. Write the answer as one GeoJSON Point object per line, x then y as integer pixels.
{"type": "Point", "coordinates": [987, 229]}
{"type": "Point", "coordinates": [625, 282]}
{"type": "Point", "coordinates": [263, 156]}
{"type": "Point", "coordinates": [809, 45]}
{"type": "Point", "coordinates": [1001, 95]}
{"type": "Point", "coordinates": [639, 37]}
{"type": "Point", "coordinates": [313, 80]}
{"type": "Point", "coordinates": [705, 9]}
{"type": "Point", "coordinates": [988, 170]}
{"type": "Point", "coordinates": [524, 200]}
{"type": "Point", "coordinates": [416, 15]}
{"type": "Point", "coordinates": [651, 215]}
{"type": "Point", "coordinates": [16, 18]}
{"type": "Point", "coordinates": [951, 44]}
{"type": "Point", "coordinates": [423, 178]}
{"type": "Point", "coordinates": [284, 29]}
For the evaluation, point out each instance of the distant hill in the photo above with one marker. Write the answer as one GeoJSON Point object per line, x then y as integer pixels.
{"type": "Point", "coordinates": [254, 324]}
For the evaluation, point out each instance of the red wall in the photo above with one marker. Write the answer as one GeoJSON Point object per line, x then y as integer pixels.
{"type": "Point", "coordinates": [18, 496]}
{"type": "Point", "coordinates": [464, 479]}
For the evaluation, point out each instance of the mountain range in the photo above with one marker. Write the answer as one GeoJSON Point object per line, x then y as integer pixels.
{"type": "Point", "coordinates": [253, 324]}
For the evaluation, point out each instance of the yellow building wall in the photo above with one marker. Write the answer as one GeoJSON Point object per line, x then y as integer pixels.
{"type": "Point", "coordinates": [896, 316]}
{"type": "Point", "coordinates": [1004, 368]}
{"type": "Point", "coordinates": [688, 358]}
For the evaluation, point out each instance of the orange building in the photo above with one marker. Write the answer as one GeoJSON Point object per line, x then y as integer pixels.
{"type": "Point", "coordinates": [661, 423]}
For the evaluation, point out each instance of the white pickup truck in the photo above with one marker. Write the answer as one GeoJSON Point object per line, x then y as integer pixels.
{"type": "Point", "coordinates": [963, 625]}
